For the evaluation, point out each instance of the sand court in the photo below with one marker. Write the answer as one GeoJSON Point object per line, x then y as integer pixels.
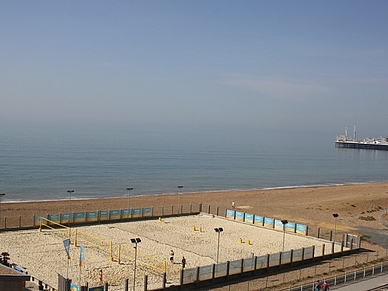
{"type": "Point", "coordinates": [43, 254]}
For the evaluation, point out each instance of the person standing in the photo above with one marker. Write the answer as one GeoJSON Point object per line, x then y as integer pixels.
{"type": "Point", "coordinates": [325, 286]}
{"type": "Point", "coordinates": [100, 277]}
{"type": "Point", "coordinates": [233, 204]}
{"type": "Point", "coordinates": [317, 286]}
{"type": "Point", "coordinates": [172, 256]}
{"type": "Point", "coordinates": [183, 262]}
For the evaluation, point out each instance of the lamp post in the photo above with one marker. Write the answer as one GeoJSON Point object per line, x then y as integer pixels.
{"type": "Point", "coordinates": [284, 222]}
{"type": "Point", "coordinates": [1, 195]}
{"type": "Point", "coordinates": [129, 208]}
{"type": "Point", "coordinates": [335, 215]}
{"type": "Point", "coordinates": [179, 201]}
{"type": "Point", "coordinates": [70, 216]}
{"type": "Point", "coordinates": [218, 230]}
{"type": "Point", "coordinates": [135, 241]}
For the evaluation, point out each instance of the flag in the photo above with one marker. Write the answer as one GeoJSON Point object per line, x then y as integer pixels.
{"type": "Point", "coordinates": [81, 257]}
{"type": "Point", "coordinates": [66, 244]}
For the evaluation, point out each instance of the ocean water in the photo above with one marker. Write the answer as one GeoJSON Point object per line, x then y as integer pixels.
{"type": "Point", "coordinates": [42, 163]}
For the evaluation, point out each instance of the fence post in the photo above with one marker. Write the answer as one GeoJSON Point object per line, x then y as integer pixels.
{"type": "Point", "coordinates": [181, 279]}
{"type": "Point", "coordinates": [20, 221]}
{"type": "Point", "coordinates": [197, 277]}
{"type": "Point", "coordinates": [313, 253]}
{"type": "Point", "coordinates": [218, 209]}
{"type": "Point", "coordinates": [208, 209]}
{"type": "Point", "coordinates": [280, 260]}
{"type": "Point", "coordinates": [145, 282]}
{"type": "Point", "coordinates": [126, 285]}
{"type": "Point", "coordinates": [164, 280]}
{"type": "Point", "coordinates": [106, 287]}
{"type": "Point", "coordinates": [191, 208]}
{"type": "Point", "coordinates": [200, 207]}
{"type": "Point", "coordinates": [319, 232]}
{"type": "Point", "coordinates": [323, 251]}
{"type": "Point", "coordinates": [162, 211]}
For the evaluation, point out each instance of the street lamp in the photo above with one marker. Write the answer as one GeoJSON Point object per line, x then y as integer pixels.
{"type": "Point", "coordinates": [129, 209]}
{"type": "Point", "coordinates": [135, 241]}
{"type": "Point", "coordinates": [335, 215]}
{"type": "Point", "coordinates": [218, 230]}
{"type": "Point", "coordinates": [179, 202]}
{"type": "Point", "coordinates": [70, 191]}
{"type": "Point", "coordinates": [284, 222]}
{"type": "Point", "coordinates": [2, 194]}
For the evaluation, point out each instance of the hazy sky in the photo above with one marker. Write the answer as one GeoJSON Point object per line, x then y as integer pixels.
{"type": "Point", "coordinates": [273, 64]}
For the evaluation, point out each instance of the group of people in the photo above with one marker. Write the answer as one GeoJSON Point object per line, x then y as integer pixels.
{"type": "Point", "coordinates": [318, 286]}
{"type": "Point", "coordinates": [183, 261]}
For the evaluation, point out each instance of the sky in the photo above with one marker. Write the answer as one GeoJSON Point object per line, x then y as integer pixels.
{"type": "Point", "coordinates": [305, 65]}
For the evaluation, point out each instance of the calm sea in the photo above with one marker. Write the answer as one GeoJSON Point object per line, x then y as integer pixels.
{"type": "Point", "coordinates": [43, 163]}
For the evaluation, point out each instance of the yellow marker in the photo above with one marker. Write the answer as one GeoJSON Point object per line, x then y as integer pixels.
{"type": "Point", "coordinates": [248, 242]}
{"type": "Point", "coordinates": [240, 240]}
{"type": "Point", "coordinates": [200, 229]}
{"type": "Point", "coordinates": [160, 219]}
{"type": "Point", "coordinates": [194, 229]}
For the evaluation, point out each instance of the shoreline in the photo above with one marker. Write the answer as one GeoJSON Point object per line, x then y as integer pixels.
{"type": "Point", "coordinates": [75, 198]}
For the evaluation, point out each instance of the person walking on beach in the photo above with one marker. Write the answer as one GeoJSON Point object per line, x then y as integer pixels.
{"type": "Point", "coordinates": [325, 286]}
{"type": "Point", "coordinates": [172, 256]}
{"type": "Point", "coordinates": [183, 262]}
{"type": "Point", "coordinates": [100, 277]}
{"type": "Point", "coordinates": [317, 286]}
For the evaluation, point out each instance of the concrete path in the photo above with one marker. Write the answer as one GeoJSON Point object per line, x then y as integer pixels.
{"type": "Point", "coordinates": [370, 284]}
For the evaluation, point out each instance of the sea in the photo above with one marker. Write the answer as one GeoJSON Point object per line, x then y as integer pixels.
{"type": "Point", "coordinates": [43, 162]}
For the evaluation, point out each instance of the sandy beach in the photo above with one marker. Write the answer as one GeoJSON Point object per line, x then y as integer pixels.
{"type": "Point", "coordinates": [358, 208]}
{"type": "Point", "coordinates": [312, 206]}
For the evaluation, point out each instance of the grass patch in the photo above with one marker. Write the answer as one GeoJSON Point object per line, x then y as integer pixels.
{"type": "Point", "coordinates": [367, 218]}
